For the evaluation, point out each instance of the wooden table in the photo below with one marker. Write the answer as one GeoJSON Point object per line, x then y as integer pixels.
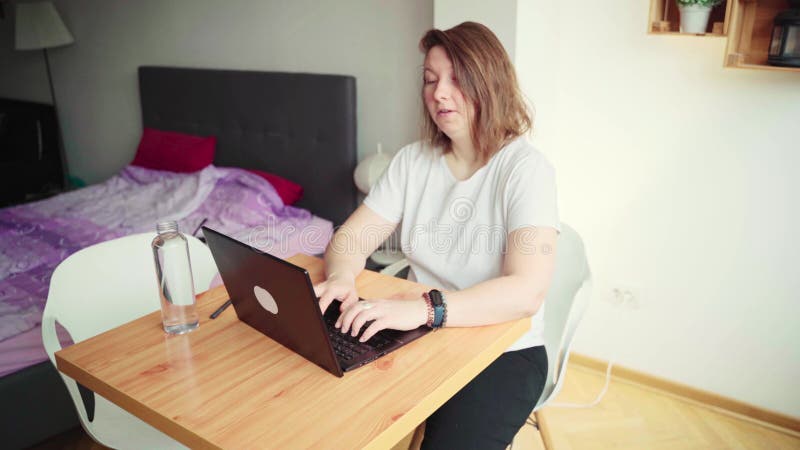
{"type": "Point", "coordinates": [225, 385]}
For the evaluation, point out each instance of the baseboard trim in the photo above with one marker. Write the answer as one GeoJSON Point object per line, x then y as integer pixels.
{"type": "Point", "coordinates": [774, 420]}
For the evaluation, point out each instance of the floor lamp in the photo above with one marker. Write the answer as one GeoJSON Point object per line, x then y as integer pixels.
{"type": "Point", "coordinates": [39, 27]}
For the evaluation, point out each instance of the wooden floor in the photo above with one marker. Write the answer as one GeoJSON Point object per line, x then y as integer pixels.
{"type": "Point", "coordinates": [634, 417]}
{"type": "Point", "coordinates": [628, 417]}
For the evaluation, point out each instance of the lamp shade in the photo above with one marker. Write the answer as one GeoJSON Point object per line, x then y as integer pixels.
{"type": "Point", "coordinates": [370, 169]}
{"type": "Point", "coordinates": [39, 26]}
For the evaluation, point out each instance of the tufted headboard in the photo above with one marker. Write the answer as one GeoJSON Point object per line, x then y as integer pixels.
{"type": "Point", "coordinates": [297, 125]}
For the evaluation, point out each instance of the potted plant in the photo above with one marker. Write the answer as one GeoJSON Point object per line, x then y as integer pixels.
{"type": "Point", "coordinates": [694, 14]}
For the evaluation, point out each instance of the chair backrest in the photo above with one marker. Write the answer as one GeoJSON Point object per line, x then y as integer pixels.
{"type": "Point", "coordinates": [107, 285]}
{"type": "Point", "coordinates": [565, 304]}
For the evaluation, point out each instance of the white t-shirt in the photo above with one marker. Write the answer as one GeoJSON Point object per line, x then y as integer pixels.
{"type": "Point", "coordinates": [454, 233]}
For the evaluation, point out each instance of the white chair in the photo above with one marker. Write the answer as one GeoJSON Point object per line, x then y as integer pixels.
{"type": "Point", "coordinates": [102, 287]}
{"type": "Point", "coordinates": [567, 299]}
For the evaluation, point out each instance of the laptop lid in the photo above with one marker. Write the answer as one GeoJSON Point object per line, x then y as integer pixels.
{"type": "Point", "coordinates": [275, 297]}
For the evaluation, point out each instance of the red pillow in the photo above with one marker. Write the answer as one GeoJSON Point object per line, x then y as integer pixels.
{"type": "Point", "coordinates": [176, 152]}
{"type": "Point", "coordinates": [289, 191]}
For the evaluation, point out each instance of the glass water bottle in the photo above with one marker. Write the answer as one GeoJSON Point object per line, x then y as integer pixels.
{"type": "Point", "coordinates": [174, 276]}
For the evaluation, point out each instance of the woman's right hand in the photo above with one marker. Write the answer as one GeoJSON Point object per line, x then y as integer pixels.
{"type": "Point", "coordinates": [337, 286]}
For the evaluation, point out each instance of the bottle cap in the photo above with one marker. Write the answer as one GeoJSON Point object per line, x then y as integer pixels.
{"type": "Point", "coordinates": [170, 226]}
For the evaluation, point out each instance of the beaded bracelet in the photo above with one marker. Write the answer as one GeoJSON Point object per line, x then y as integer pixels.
{"type": "Point", "coordinates": [429, 303]}
{"type": "Point", "coordinates": [432, 315]}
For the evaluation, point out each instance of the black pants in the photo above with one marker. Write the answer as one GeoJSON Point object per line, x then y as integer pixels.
{"type": "Point", "coordinates": [489, 411]}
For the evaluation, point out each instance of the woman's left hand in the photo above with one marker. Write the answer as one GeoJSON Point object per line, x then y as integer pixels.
{"type": "Point", "coordinates": [394, 314]}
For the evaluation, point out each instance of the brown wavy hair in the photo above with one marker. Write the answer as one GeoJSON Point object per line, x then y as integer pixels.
{"type": "Point", "coordinates": [487, 79]}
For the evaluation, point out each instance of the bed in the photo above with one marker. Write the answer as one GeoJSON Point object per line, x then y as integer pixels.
{"type": "Point", "coordinates": [299, 126]}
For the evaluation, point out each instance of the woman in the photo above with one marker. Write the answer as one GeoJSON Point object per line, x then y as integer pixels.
{"type": "Point", "coordinates": [479, 220]}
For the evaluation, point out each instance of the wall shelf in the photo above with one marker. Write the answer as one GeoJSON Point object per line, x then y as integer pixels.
{"type": "Point", "coordinates": [751, 31]}
{"type": "Point", "coordinates": [747, 25]}
{"type": "Point", "coordinates": [665, 19]}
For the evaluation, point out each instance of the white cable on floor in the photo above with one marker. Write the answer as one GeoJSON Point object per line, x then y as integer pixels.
{"type": "Point", "coordinates": [596, 400]}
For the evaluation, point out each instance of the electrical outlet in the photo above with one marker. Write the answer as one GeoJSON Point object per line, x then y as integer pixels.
{"type": "Point", "coordinates": [624, 297]}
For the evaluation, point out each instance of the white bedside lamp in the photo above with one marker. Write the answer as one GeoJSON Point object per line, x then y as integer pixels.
{"type": "Point", "coordinates": [366, 175]}
{"type": "Point", "coordinates": [370, 169]}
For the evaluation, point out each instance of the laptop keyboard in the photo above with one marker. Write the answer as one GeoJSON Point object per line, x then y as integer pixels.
{"type": "Point", "coordinates": [348, 347]}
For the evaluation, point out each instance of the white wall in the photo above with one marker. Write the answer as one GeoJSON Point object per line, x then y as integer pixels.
{"type": "Point", "coordinates": [680, 176]}
{"type": "Point", "coordinates": [498, 15]}
{"type": "Point", "coordinates": [96, 84]}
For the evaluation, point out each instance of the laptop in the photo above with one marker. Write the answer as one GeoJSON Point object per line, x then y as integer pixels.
{"type": "Point", "coordinates": [277, 298]}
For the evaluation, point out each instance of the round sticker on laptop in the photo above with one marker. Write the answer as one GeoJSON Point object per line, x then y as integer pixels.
{"type": "Point", "coordinates": [265, 299]}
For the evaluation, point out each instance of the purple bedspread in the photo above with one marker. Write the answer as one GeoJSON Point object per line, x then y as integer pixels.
{"type": "Point", "coordinates": [36, 237]}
